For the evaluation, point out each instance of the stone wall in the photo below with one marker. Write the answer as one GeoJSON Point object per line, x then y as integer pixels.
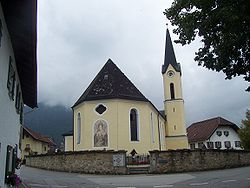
{"type": "Point", "coordinates": [196, 160]}
{"type": "Point", "coordinates": [101, 162]}
{"type": "Point", "coordinates": [91, 162]}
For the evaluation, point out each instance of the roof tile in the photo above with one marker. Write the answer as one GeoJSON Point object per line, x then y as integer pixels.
{"type": "Point", "coordinates": [202, 130]}
{"type": "Point", "coordinates": [111, 83]}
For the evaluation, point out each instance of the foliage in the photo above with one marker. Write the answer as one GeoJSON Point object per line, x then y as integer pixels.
{"type": "Point", "coordinates": [224, 28]}
{"type": "Point", "coordinates": [13, 180]}
{"type": "Point", "coordinates": [244, 133]}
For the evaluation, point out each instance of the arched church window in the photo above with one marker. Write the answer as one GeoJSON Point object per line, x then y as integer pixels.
{"type": "Point", "coordinates": [172, 91]}
{"type": "Point", "coordinates": [78, 138]}
{"type": "Point", "coordinates": [134, 136]}
{"type": "Point", "coordinates": [152, 127]}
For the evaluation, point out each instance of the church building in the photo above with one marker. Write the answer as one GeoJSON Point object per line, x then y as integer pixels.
{"type": "Point", "coordinates": [112, 114]}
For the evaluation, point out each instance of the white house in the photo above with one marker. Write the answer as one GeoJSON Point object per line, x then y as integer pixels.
{"type": "Point", "coordinates": [18, 77]}
{"type": "Point", "coordinates": [215, 133]}
{"type": "Point", "coordinates": [68, 141]}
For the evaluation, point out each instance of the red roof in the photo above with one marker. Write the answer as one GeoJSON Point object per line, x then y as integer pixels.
{"type": "Point", "coordinates": [38, 136]}
{"type": "Point", "coordinates": [202, 130]}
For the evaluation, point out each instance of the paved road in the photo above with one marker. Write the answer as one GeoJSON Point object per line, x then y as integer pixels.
{"type": "Point", "coordinates": [36, 178]}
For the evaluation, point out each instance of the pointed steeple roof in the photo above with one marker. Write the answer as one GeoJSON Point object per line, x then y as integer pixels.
{"type": "Point", "coordinates": [169, 55]}
{"type": "Point", "coordinates": [111, 83]}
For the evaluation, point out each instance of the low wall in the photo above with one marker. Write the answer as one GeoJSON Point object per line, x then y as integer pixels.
{"type": "Point", "coordinates": [196, 160]}
{"type": "Point", "coordinates": [91, 162]}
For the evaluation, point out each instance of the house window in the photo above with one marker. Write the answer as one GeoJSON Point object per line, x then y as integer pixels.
{"type": "Point", "coordinates": [219, 133]}
{"type": "Point", "coordinates": [21, 113]}
{"type": "Point", "coordinates": [11, 79]}
{"type": "Point", "coordinates": [237, 144]}
{"type": "Point", "coordinates": [152, 128]}
{"type": "Point", "coordinates": [192, 146]}
{"type": "Point", "coordinates": [1, 31]}
{"type": "Point", "coordinates": [134, 125]}
{"type": "Point", "coordinates": [78, 138]}
{"type": "Point", "coordinates": [10, 162]}
{"type": "Point", "coordinates": [172, 91]}
{"type": "Point", "coordinates": [45, 149]}
{"type": "Point", "coordinates": [218, 145]}
{"type": "Point", "coordinates": [226, 133]}
{"type": "Point", "coordinates": [210, 145]}
{"type": "Point", "coordinates": [18, 99]}
{"type": "Point", "coordinates": [227, 144]}
{"type": "Point", "coordinates": [201, 145]}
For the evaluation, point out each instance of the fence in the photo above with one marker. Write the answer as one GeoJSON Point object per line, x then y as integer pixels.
{"type": "Point", "coordinates": [138, 159]}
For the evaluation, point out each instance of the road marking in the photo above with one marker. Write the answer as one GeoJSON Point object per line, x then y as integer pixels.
{"type": "Point", "coordinates": [24, 185]}
{"type": "Point", "coordinates": [162, 186]}
{"type": "Point", "coordinates": [125, 187]}
{"type": "Point", "coordinates": [42, 185]}
{"type": "Point", "coordinates": [248, 179]}
{"type": "Point", "coordinates": [38, 185]}
{"type": "Point", "coordinates": [226, 181]}
{"type": "Point", "coordinates": [197, 184]}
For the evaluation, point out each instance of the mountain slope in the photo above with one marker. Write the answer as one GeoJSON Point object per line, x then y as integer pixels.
{"type": "Point", "coordinates": [47, 120]}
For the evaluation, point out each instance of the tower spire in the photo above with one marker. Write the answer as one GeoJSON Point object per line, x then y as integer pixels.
{"type": "Point", "coordinates": [169, 55]}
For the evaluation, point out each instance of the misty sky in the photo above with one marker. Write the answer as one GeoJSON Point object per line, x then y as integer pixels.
{"type": "Point", "coordinates": [76, 38]}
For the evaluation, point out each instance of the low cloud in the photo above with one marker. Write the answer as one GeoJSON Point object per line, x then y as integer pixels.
{"type": "Point", "coordinates": [77, 38]}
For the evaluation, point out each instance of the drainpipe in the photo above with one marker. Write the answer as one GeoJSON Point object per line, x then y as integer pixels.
{"type": "Point", "coordinates": [73, 129]}
{"type": "Point", "coordinates": [159, 131]}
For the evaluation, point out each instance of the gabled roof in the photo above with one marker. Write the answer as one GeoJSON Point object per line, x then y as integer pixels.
{"type": "Point", "coordinates": [169, 55]}
{"type": "Point", "coordinates": [21, 21]}
{"type": "Point", "coordinates": [38, 136]}
{"type": "Point", "coordinates": [203, 130]}
{"type": "Point", "coordinates": [111, 83]}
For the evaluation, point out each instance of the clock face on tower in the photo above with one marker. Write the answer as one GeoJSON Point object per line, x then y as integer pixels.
{"type": "Point", "coordinates": [170, 73]}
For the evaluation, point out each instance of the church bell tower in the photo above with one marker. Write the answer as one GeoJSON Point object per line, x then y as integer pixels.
{"type": "Point", "coordinates": [176, 136]}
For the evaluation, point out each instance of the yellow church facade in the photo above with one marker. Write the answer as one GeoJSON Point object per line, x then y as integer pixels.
{"type": "Point", "coordinates": [112, 114]}
{"type": "Point", "coordinates": [113, 129]}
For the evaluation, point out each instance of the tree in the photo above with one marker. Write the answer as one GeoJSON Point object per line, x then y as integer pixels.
{"type": "Point", "coordinates": [244, 133]}
{"type": "Point", "coordinates": [224, 28]}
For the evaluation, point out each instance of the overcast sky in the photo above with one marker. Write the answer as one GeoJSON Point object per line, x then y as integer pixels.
{"type": "Point", "coordinates": [76, 38]}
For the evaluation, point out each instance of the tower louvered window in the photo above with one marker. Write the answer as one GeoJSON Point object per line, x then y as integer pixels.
{"type": "Point", "coordinates": [172, 94]}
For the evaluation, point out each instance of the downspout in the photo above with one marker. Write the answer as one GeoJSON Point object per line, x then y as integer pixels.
{"type": "Point", "coordinates": [73, 129]}
{"type": "Point", "coordinates": [117, 114]}
{"type": "Point", "coordinates": [159, 131]}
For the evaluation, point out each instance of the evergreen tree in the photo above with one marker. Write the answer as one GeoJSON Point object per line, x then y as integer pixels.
{"type": "Point", "coordinates": [244, 133]}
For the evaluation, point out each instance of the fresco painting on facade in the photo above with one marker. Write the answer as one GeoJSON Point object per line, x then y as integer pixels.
{"type": "Point", "coordinates": [100, 134]}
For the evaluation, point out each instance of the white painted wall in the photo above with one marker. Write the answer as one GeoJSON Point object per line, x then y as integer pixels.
{"type": "Point", "coordinates": [232, 137]}
{"type": "Point", "coordinates": [68, 143]}
{"type": "Point", "coordinates": [9, 119]}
